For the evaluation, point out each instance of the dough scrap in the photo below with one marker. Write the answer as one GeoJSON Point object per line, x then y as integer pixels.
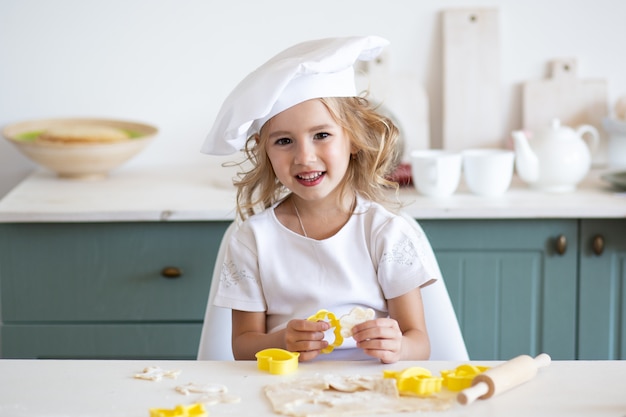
{"type": "Point", "coordinates": [211, 393]}
{"type": "Point", "coordinates": [155, 373]}
{"type": "Point", "coordinates": [201, 389]}
{"type": "Point", "coordinates": [338, 396]}
{"type": "Point", "coordinates": [356, 316]}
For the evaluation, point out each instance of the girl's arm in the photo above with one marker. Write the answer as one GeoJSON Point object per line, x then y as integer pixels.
{"type": "Point", "coordinates": [402, 336]}
{"type": "Point", "coordinates": [250, 336]}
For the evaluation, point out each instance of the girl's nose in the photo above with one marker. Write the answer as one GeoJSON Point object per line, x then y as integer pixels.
{"type": "Point", "coordinates": [305, 153]}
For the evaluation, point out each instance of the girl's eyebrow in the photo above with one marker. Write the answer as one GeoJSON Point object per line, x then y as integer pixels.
{"type": "Point", "coordinates": [280, 133]}
{"type": "Point", "coordinates": [321, 127]}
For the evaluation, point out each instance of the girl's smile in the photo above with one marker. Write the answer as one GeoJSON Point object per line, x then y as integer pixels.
{"type": "Point", "coordinates": [310, 179]}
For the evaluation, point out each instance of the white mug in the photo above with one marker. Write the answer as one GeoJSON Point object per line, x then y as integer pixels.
{"type": "Point", "coordinates": [488, 172]}
{"type": "Point", "coordinates": [435, 172]}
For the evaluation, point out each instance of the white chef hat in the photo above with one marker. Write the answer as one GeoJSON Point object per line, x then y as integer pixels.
{"type": "Point", "coordinates": [313, 69]}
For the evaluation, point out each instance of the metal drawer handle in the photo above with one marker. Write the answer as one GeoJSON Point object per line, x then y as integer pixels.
{"type": "Point", "coordinates": [561, 245]}
{"type": "Point", "coordinates": [597, 244]}
{"type": "Point", "coordinates": [171, 272]}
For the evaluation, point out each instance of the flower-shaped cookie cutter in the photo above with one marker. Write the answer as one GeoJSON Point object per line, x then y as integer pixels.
{"type": "Point", "coordinates": [415, 381]}
{"type": "Point", "coordinates": [193, 410]}
{"type": "Point", "coordinates": [277, 361]}
{"type": "Point", "coordinates": [325, 315]}
{"type": "Point", "coordinates": [461, 378]}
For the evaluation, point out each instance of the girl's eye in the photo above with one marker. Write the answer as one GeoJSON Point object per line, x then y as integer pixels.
{"type": "Point", "coordinates": [322, 135]}
{"type": "Point", "coordinates": [283, 141]}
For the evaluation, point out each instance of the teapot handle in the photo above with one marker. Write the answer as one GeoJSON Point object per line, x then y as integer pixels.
{"type": "Point", "coordinates": [593, 137]}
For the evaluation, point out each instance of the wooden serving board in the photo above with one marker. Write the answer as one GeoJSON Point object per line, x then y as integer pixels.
{"type": "Point", "coordinates": [471, 79]}
{"type": "Point", "coordinates": [408, 101]}
{"type": "Point", "coordinates": [565, 97]}
{"type": "Point", "coordinates": [403, 96]}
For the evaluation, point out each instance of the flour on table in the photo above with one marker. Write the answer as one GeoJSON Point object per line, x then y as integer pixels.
{"type": "Point", "coordinates": [155, 373]}
{"type": "Point", "coordinates": [336, 396]}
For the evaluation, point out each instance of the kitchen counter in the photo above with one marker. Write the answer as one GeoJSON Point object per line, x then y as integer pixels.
{"type": "Point", "coordinates": [173, 193]}
{"type": "Point", "coordinates": [107, 388]}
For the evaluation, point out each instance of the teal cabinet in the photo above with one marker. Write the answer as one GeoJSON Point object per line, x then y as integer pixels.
{"type": "Point", "coordinates": [602, 302]}
{"type": "Point", "coordinates": [99, 290]}
{"type": "Point", "coordinates": [512, 290]}
{"type": "Point", "coordinates": [105, 290]}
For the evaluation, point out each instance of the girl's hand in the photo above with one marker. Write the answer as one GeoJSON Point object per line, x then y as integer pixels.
{"type": "Point", "coordinates": [380, 338]}
{"type": "Point", "coordinates": [306, 337]}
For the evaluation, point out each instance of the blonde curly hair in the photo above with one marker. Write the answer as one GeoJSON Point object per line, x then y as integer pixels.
{"type": "Point", "coordinates": [373, 136]}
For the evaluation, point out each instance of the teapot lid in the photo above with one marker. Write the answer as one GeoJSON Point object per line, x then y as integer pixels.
{"type": "Point", "coordinates": [557, 125]}
{"type": "Point", "coordinates": [556, 128]}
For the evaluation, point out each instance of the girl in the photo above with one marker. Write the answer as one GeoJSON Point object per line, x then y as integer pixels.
{"type": "Point", "coordinates": [314, 233]}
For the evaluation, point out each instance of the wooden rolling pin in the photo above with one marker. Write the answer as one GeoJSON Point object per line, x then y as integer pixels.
{"type": "Point", "coordinates": [503, 377]}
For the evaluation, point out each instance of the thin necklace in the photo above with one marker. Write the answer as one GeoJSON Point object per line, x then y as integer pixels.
{"type": "Point", "coordinates": [299, 219]}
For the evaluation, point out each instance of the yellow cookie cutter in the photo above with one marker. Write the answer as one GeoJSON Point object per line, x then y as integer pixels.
{"type": "Point", "coordinates": [461, 377]}
{"type": "Point", "coordinates": [193, 410]}
{"type": "Point", "coordinates": [415, 381]}
{"type": "Point", "coordinates": [325, 315]}
{"type": "Point", "coordinates": [277, 361]}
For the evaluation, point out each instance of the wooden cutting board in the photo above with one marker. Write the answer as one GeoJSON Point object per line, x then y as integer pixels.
{"type": "Point", "coordinates": [409, 103]}
{"type": "Point", "coordinates": [403, 96]}
{"type": "Point", "coordinates": [564, 96]}
{"type": "Point", "coordinates": [471, 79]}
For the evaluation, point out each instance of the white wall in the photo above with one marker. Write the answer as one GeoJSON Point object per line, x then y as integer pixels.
{"type": "Point", "coordinates": [172, 62]}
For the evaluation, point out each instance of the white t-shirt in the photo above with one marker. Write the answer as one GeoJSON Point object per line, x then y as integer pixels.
{"type": "Point", "coordinates": [375, 256]}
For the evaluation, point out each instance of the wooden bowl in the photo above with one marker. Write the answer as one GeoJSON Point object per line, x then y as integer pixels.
{"type": "Point", "coordinates": [79, 159]}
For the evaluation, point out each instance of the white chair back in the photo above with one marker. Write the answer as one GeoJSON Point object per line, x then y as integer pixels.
{"type": "Point", "coordinates": [215, 340]}
{"type": "Point", "coordinates": [444, 332]}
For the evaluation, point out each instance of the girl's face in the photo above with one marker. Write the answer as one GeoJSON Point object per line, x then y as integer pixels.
{"type": "Point", "coordinates": [308, 150]}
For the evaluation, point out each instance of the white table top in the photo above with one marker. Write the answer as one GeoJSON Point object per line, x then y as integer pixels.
{"type": "Point", "coordinates": [175, 193]}
{"type": "Point", "coordinates": [46, 388]}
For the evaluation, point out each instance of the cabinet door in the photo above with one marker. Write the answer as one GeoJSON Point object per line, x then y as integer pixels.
{"type": "Point", "coordinates": [99, 290]}
{"type": "Point", "coordinates": [602, 316]}
{"type": "Point", "coordinates": [512, 292]}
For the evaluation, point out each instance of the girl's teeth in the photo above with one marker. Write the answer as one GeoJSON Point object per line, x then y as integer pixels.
{"type": "Point", "coordinates": [309, 177]}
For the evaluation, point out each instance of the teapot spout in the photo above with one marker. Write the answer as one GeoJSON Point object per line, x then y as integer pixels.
{"type": "Point", "coordinates": [526, 161]}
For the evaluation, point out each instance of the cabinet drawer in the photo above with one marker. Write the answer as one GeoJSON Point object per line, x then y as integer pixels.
{"type": "Point", "coordinates": [106, 272]}
{"type": "Point", "coordinates": [102, 341]}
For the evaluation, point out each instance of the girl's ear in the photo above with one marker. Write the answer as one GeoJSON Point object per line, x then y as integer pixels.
{"type": "Point", "coordinates": [353, 151]}
{"type": "Point", "coordinates": [257, 138]}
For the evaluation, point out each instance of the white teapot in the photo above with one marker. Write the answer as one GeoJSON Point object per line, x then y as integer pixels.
{"type": "Point", "coordinates": [555, 159]}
